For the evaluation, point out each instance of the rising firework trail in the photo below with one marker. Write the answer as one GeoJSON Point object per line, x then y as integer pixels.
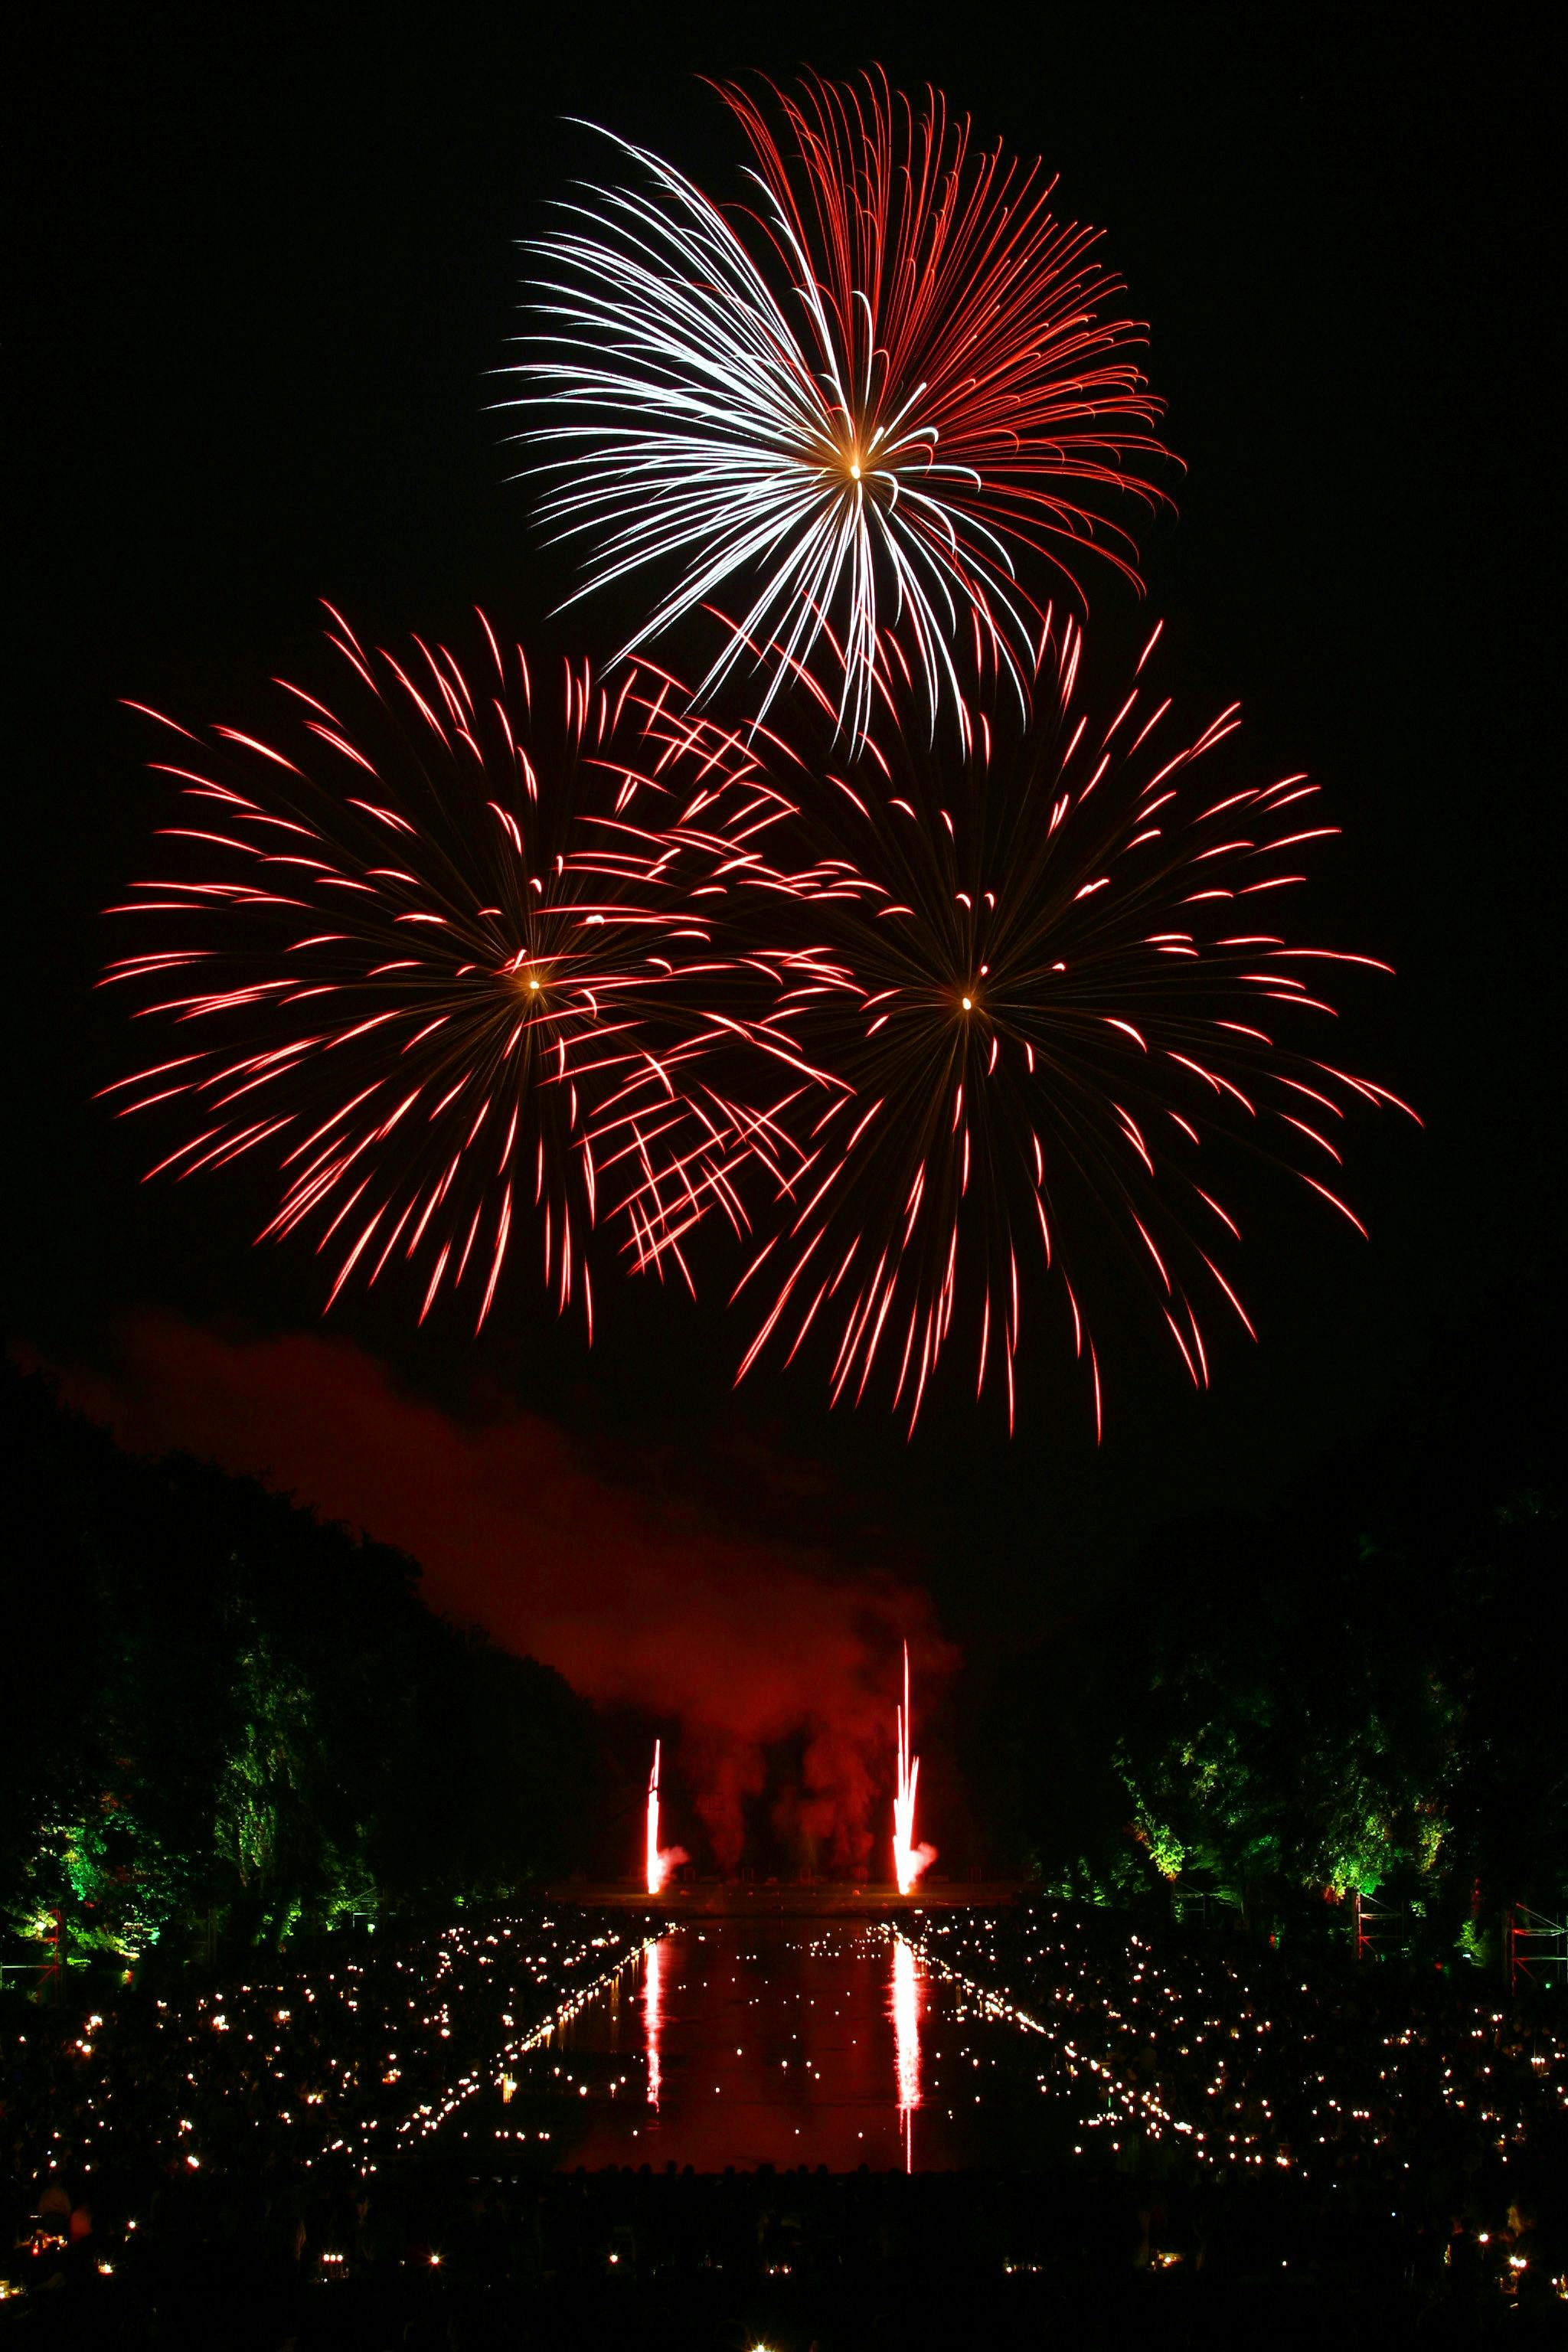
{"type": "Point", "coordinates": [1055, 973]}
{"type": "Point", "coordinates": [910, 1859]}
{"type": "Point", "coordinates": [658, 1860]}
{"type": "Point", "coordinates": [856, 401]}
{"type": "Point", "coordinates": [437, 957]}
{"type": "Point", "coordinates": [655, 1859]}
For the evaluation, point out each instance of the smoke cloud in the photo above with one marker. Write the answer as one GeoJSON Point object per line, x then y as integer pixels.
{"type": "Point", "coordinates": [780, 1664]}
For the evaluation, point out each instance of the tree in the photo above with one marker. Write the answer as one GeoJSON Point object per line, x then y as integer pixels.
{"type": "Point", "coordinates": [217, 1709]}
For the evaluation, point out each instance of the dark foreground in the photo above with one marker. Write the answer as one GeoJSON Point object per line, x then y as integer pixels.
{"type": "Point", "coordinates": [383, 2143]}
{"type": "Point", "coordinates": [783, 2261]}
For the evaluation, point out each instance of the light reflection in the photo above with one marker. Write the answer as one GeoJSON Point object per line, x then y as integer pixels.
{"type": "Point", "coordinates": [906, 2006]}
{"type": "Point", "coordinates": [653, 2014]}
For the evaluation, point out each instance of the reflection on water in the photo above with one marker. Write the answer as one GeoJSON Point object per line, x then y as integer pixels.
{"type": "Point", "coordinates": [785, 2043]}
{"type": "Point", "coordinates": [652, 2016]}
{"type": "Point", "coordinates": [906, 2007]}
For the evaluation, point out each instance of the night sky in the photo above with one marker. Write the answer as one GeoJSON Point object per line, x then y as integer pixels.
{"type": "Point", "coordinates": [263, 283]}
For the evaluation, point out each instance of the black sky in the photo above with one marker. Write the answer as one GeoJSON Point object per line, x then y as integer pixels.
{"type": "Point", "coordinates": [263, 266]}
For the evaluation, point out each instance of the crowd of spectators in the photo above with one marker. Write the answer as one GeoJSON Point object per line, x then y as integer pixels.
{"type": "Point", "coordinates": [1382, 2113]}
{"type": "Point", "coordinates": [330, 2066]}
{"type": "Point", "coordinates": [425, 2257]}
{"type": "Point", "coordinates": [269, 2147]}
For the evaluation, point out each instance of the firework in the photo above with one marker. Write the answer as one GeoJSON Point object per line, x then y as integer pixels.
{"type": "Point", "coordinates": [439, 933]}
{"type": "Point", "coordinates": [855, 405]}
{"type": "Point", "coordinates": [910, 1859]}
{"type": "Point", "coordinates": [1054, 978]}
{"type": "Point", "coordinates": [658, 1860]}
{"type": "Point", "coordinates": [653, 1859]}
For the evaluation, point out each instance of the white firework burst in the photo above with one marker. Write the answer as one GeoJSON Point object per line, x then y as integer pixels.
{"type": "Point", "coordinates": [854, 405]}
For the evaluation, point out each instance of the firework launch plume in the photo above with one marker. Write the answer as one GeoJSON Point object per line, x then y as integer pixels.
{"type": "Point", "coordinates": [438, 961]}
{"type": "Point", "coordinates": [1056, 976]}
{"type": "Point", "coordinates": [658, 1860]}
{"type": "Point", "coordinates": [856, 400]}
{"type": "Point", "coordinates": [910, 1858]}
{"type": "Point", "coordinates": [655, 1859]}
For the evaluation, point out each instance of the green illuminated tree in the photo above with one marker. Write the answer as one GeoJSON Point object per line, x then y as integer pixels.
{"type": "Point", "coordinates": [221, 1716]}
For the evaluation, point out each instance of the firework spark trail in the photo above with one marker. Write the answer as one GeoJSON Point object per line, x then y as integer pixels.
{"type": "Point", "coordinates": [658, 1860]}
{"type": "Point", "coordinates": [654, 1862]}
{"type": "Point", "coordinates": [1053, 976]}
{"type": "Point", "coordinates": [860, 400]}
{"type": "Point", "coordinates": [461, 981]}
{"type": "Point", "coordinates": [910, 1858]}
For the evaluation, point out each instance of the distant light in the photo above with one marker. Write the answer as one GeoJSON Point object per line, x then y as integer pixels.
{"type": "Point", "coordinates": [967, 1003]}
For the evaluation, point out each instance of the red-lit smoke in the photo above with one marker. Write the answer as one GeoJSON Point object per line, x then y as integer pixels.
{"type": "Point", "coordinates": [754, 1647]}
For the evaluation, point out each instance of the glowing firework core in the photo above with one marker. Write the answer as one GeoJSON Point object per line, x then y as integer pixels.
{"type": "Point", "coordinates": [909, 1859]}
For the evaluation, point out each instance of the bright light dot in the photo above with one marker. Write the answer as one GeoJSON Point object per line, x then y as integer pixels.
{"type": "Point", "coordinates": [855, 469]}
{"type": "Point", "coordinates": [967, 1003]}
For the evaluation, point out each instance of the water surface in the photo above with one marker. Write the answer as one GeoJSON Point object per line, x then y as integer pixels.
{"type": "Point", "coordinates": [782, 2041]}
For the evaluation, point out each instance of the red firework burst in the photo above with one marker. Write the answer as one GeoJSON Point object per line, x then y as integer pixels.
{"type": "Point", "coordinates": [457, 973]}
{"type": "Point", "coordinates": [1052, 977]}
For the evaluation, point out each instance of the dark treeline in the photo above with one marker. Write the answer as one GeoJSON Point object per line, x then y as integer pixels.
{"type": "Point", "coordinates": [1359, 1690]}
{"type": "Point", "coordinates": [222, 1719]}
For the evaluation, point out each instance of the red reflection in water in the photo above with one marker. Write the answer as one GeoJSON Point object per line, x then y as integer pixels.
{"type": "Point", "coordinates": [906, 2006]}
{"type": "Point", "coordinates": [768, 2042]}
{"type": "Point", "coordinates": [653, 2014]}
